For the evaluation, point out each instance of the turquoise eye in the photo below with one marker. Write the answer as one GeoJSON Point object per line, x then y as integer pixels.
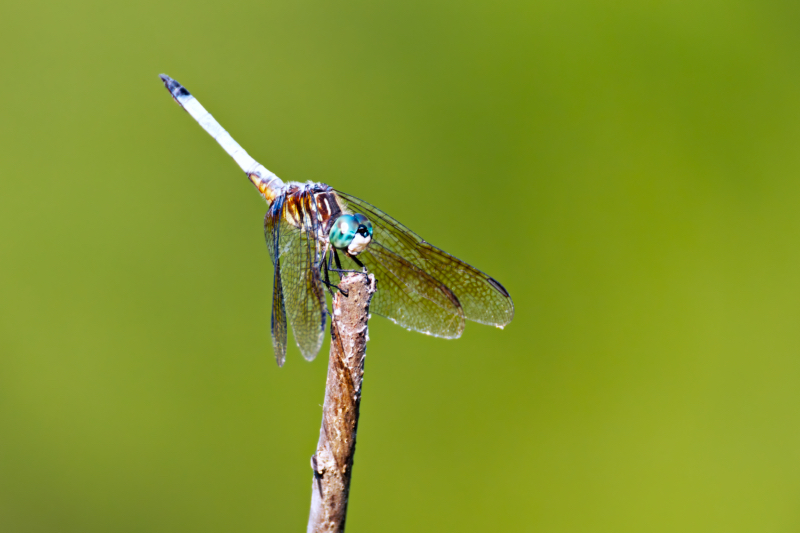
{"type": "Point", "coordinates": [343, 231]}
{"type": "Point", "coordinates": [364, 221]}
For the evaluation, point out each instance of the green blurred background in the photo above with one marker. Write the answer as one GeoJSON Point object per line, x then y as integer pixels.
{"type": "Point", "coordinates": [628, 170]}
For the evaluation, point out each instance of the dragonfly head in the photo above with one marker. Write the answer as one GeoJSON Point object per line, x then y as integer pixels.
{"type": "Point", "coordinates": [352, 233]}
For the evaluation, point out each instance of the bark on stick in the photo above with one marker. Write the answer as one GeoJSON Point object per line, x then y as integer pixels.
{"type": "Point", "coordinates": [333, 462]}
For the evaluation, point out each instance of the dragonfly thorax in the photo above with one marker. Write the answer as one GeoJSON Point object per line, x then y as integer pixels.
{"type": "Point", "coordinates": [310, 207]}
{"type": "Point", "coordinates": [315, 208]}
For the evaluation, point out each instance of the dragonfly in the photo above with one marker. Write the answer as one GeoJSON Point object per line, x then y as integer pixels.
{"type": "Point", "coordinates": [316, 234]}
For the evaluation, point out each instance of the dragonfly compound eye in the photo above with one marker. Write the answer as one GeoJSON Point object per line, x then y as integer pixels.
{"type": "Point", "coordinates": [343, 231]}
{"type": "Point", "coordinates": [352, 233]}
{"type": "Point", "coordinates": [364, 221]}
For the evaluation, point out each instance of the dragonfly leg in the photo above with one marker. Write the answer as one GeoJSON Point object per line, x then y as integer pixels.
{"type": "Point", "coordinates": [339, 268]}
{"type": "Point", "coordinates": [326, 266]}
{"type": "Point", "coordinates": [327, 281]}
{"type": "Point", "coordinates": [358, 262]}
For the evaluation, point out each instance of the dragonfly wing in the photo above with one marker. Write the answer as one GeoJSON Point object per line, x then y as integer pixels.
{"type": "Point", "coordinates": [278, 321]}
{"type": "Point", "coordinates": [297, 269]}
{"type": "Point", "coordinates": [482, 297]}
{"type": "Point", "coordinates": [409, 296]}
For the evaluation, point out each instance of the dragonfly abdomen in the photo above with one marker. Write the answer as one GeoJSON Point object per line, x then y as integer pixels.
{"type": "Point", "coordinates": [267, 183]}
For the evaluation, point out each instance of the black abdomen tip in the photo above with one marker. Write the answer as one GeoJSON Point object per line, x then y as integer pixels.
{"type": "Point", "coordinates": [173, 86]}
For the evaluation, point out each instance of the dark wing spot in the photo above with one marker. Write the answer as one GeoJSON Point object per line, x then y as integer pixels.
{"type": "Point", "coordinates": [496, 284]}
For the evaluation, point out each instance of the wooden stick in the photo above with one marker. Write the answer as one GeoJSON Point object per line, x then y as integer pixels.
{"type": "Point", "coordinates": [333, 462]}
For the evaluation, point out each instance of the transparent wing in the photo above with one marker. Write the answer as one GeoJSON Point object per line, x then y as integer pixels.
{"type": "Point", "coordinates": [301, 300]}
{"type": "Point", "coordinates": [278, 320]}
{"type": "Point", "coordinates": [409, 296]}
{"type": "Point", "coordinates": [482, 298]}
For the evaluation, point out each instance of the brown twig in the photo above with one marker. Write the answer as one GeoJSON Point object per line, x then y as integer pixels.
{"type": "Point", "coordinates": [333, 462]}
